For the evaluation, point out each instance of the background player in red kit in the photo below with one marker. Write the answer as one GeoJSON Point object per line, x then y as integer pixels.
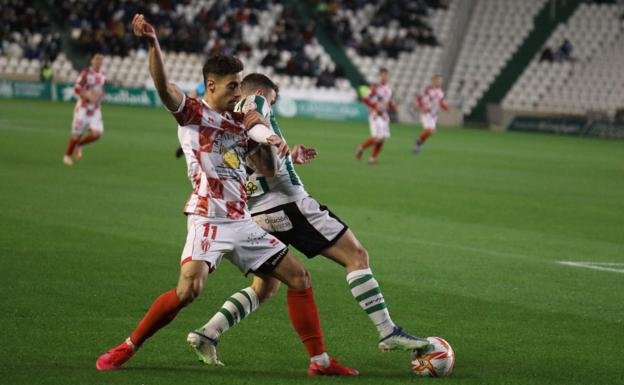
{"type": "Point", "coordinates": [379, 104]}
{"type": "Point", "coordinates": [87, 113]}
{"type": "Point", "coordinates": [429, 102]}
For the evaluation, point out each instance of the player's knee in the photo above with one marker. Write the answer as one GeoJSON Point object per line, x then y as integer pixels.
{"type": "Point", "coordinates": [359, 258]}
{"type": "Point", "coordinates": [300, 279]}
{"type": "Point", "coordinates": [266, 290]}
{"type": "Point", "coordinates": [188, 290]}
{"type": "Point", "coordinates": [187, 295]}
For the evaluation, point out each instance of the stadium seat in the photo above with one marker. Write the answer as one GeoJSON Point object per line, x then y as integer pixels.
{"type": "Point", "coordinates": [592, 78]}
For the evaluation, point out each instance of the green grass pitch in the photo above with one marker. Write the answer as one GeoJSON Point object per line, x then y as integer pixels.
{"type": "Point", "coordinates": [464, 240]}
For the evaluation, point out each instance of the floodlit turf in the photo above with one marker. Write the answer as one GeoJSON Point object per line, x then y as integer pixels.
{"type": "Point", "coordinates": [464, 240]}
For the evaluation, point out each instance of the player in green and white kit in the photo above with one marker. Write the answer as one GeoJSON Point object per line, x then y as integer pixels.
{"type": "Point", "coordinates": [282, 207]}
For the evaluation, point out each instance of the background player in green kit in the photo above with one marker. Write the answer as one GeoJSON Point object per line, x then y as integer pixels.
{"type": "Point", "coordinates": [282, 207]}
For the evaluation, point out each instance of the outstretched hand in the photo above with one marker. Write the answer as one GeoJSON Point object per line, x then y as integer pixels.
{"type": "Point", "coordinates": [142, 28]}
{"type": "Point", "coordinates": [301, 154]}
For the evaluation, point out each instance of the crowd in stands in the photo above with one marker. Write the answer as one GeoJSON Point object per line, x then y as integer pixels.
{"type": "Point", "coordinates": [26, 32]}
{"type": "Point", "coordinates": [404, 14]}
{"type": "Point", "coordinates": [214, 27]}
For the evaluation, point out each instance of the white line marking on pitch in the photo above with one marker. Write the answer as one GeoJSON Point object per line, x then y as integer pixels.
{"type": "Point", "coordinates": [607, 266]}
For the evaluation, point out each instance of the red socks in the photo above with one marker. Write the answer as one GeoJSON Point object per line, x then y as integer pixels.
{"type": "Point", "coordinates": [71, 146]}
{"type": "Point", "coordinates": [89, 138]}
{"type": "Point", "coordinates": [369, 142]}
{"type": "Point", "coordinates": [162, 311]}
{"type": "Point", "coordinates": [305, 319]}
{"type": "Point", "coordinates": [377, 149]}
{"type": "Point", "coordinates": [425, 134]}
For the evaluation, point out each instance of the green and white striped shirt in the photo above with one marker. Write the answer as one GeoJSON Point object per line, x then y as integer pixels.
{"type": "Point", "coordinates": [263, 192]}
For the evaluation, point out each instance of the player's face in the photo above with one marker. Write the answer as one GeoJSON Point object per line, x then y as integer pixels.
{"type": "Point", "coordinates": [226, 91]}
{"type": "Point", "coordinates": [383, 77]}
{"type": "Point", "coordinates": [271, 96]}
{"type": "Point", "coordinates": [96, 62]}
{"type": "Point", "coordinates": [437, 82]}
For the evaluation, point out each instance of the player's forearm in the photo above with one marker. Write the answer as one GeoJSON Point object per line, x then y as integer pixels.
{"type": "Point", "coordinates": [419, 102]}
{"type": "Point", "coordinates": [266, 160]}
{"type": "Point", "coordinates": [169, 94]}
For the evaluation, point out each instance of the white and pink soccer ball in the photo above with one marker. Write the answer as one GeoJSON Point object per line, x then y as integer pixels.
{"type": "Point", "coordinates": [435, 361]}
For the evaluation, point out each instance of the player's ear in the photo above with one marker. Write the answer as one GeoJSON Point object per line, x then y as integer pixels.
{"type": "Point", "coordinates": [210, 85]}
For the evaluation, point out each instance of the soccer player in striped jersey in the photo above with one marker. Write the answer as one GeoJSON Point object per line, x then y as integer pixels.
{"type": "Point", "coordinates": [428, 102]}
{"type": "Point", "coordinates": [87, 112]}
{"type": "Point", "coordinates": [283, 207]}
{"type": "Point", "coordinates": [218, 143]}
{"type": "Point", "coordinates": [379, 102]}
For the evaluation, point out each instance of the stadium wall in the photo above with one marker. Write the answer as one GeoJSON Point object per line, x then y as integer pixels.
{"type": "Point", "coordinates": [64, 92]}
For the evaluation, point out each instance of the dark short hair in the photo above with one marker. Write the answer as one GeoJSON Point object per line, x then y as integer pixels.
{"type": "Point", "coordinates": [383, 69]}
{"type": "Point", "coordinates": [257, 80]}
{"type": "Point", "coordinates": [221, 65]}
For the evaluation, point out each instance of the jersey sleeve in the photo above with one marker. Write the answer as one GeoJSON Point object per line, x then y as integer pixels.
{"type": "Point", "coordinates": [81, 82]}
{"type": "Point", "coordinates": [189, 111]}
{"type": "Point", "coordinates": [371, 99]}
{"type": "Point", "coordinates": [256, 103]}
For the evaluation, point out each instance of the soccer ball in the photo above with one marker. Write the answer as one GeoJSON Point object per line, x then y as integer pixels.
{"type": "Point", "coordinates": [436, 360]}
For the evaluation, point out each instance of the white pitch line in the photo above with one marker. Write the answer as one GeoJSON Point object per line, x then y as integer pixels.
{"type": "Point", "coordinates": [595, 265]}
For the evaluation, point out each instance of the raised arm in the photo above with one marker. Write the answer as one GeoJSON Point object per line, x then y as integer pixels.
{"type": "Point", "coordinates": [169, 93]}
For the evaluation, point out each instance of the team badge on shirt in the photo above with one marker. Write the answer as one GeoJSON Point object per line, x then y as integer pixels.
{"type": "Point", "coordinates": [231, 160]}
{"type": "Point", "coordinates": [250, 187]}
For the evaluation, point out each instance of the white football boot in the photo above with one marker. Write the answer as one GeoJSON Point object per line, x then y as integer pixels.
{"type": "Point", "coordinates": [401, 340]}
{"type": "Point", "coordinates": [204, 347]}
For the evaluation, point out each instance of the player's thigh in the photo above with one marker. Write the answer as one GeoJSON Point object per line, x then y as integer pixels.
{"type": "Point", "coordinates": [380, 127]}
{"type": "Point", "coordinates": [96, 124]}
{"type": "Point", "coordinates": [254, 249]}
{"type": "Point", "coordinates": [265, 286]}
{"type": "Point", "coordinates": [348, 252]}
{"type": "Point", "coordinates": [193, 275]}
{"type": "Point", "coordinates": [317, 227]}
{"type": "Point", "coordinates": [80, 121]}
{"type": "Point", "coordinates": [383, 128]}
{"type": "Point", "coordinates": [291, 272]}
{"type": "Point", "coordinates": [428, 122]}
{"type": "Point", "coordinates": [206, 241]}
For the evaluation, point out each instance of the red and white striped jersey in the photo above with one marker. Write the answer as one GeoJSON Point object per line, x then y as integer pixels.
{"type": "Point", "coordinates": [379, 99]}
{"type": "Point", "coordinates": [215, 147]}
{"type": "Point", "coordinates": [90, 81]}
{"type": "Point", "coordinates": [431, 100]}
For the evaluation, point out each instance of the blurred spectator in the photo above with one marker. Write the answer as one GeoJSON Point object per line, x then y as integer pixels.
{"type": "Point", "coordinates": [193, 26]}
{"type": "Point", "coordinates": [564, 52]}
{"type": "Point", "coordinates": [404, 14]}
{"type": "Point", "coordinates": [46, 74]}
{"type": "Point", "coordinates": [25, 31]}
{"type": "Point", "coordinates": [326, 79]}
{"type": "Point", "coordinates": [546, 55]}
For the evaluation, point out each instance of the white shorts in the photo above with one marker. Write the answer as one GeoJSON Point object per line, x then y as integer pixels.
{"type": "Point", "coordinates": [82, 121]}
{"type": "Point", "coordinates": [379, 126]}
{"type": "Point", "coordinates": [428, 121]}
{"type": "Point", "coordinates": [243, 243]}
